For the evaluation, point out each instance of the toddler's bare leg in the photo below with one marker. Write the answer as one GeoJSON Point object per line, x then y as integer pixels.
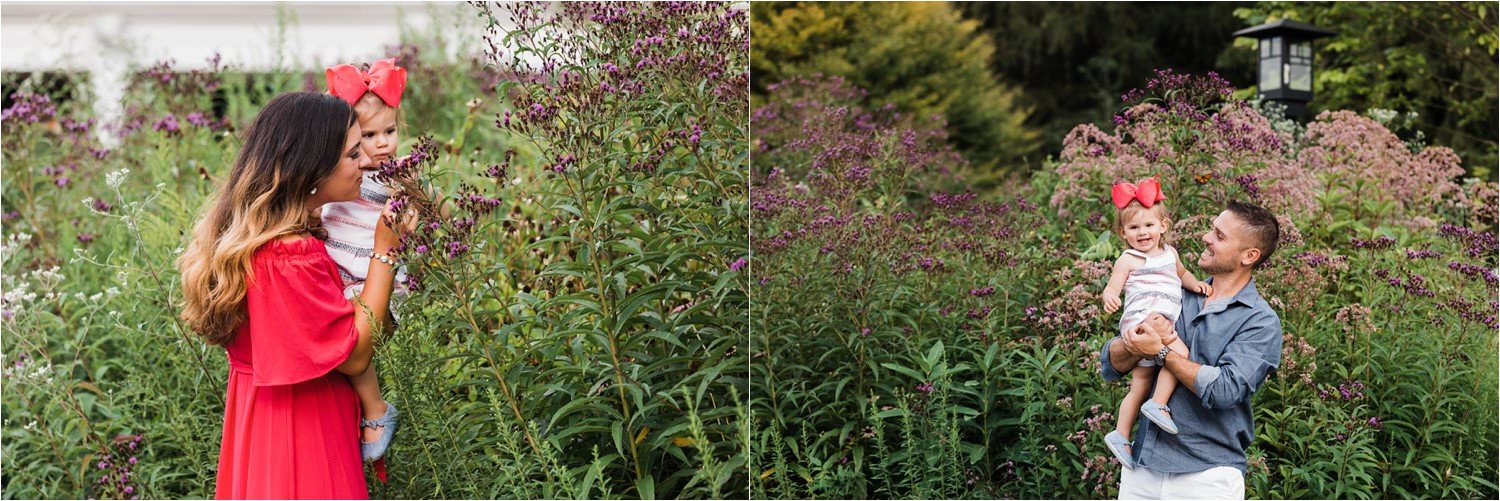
{"type": "Point", "coordinates": [367, 386]}
{"type": "Point", "coordinates": [1166, 383]}
{"type": "Point", "coordinates": [1130, 406]}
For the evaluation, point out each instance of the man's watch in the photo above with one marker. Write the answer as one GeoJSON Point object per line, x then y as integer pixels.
{"type": "Point", "coordinates": [1161, 356]}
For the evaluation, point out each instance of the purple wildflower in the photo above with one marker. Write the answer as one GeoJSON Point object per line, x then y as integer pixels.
{"type": "Point", "coordinates": [197, 119]}
{"type": "Point", "coordinates": [169, 124]}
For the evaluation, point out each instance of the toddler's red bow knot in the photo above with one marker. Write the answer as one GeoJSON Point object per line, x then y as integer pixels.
{"type": "Point", "coordinates": [1147, 192]}
{"type": "Point", "coordinates": [386, 80]}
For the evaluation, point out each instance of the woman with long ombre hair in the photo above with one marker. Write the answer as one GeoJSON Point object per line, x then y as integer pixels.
{"type": "Point", "coordinates": [257, 281]}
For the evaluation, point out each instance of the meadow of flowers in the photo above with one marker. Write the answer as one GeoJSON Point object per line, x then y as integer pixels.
{"type": "Point", "coordinates": [913, 339]}
{"type": "Point", "coordinates": [578, 322]}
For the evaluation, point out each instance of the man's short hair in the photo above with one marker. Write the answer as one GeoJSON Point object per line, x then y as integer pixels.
{"type": "Point", "coordinates": [1265, 231]}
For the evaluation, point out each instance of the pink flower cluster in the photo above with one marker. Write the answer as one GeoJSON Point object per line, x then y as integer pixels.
{"type": "Point", "coordinates": [1206, 148]}
{"type": "Point", "coordinates": [1354, 320]}
{"type": "Point", "coordinates": [1342, 146]}
{"type": "Point", "coordinates": [1184, 130]}
{"type": "Point", "coordinates": [1074, 310]}
{"type": "Point", "coordinates": [1297, 281]}
{"type": "Point", "coordinates": [1298, 359]}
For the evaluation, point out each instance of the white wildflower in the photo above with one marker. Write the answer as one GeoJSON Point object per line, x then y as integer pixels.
{"type": "Point", "coordinates": [1382, 115]}
{"type": "Point", "coordinates": [42, 370]}
{"type": "Point", "coordinates": [48, 277]}
{"type": "Point", "coordinates": [116, 178]}
{"type": "Point", "coordinates": [14, 241]}
{"type": "Point", "coordinates": [19, 294]}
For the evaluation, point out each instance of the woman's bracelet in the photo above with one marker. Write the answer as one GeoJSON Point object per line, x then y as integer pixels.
{"type": "Point", "coordinates": [384, 258]}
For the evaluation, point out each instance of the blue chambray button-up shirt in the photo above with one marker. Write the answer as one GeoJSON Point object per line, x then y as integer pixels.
{"type": "Point", "coordinates": [1238, 342]}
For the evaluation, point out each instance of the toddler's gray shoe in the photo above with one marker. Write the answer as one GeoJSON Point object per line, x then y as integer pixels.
{"type": "Point", "coordinates": [1157, 413]}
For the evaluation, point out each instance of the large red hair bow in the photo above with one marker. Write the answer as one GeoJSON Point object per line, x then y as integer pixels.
{"type": "Point", "coordinates": [1147, 192]}
{"type": "Point", "coordinates": [385, 80]}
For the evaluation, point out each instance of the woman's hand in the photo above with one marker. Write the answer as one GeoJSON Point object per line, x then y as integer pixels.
{"type": "Point", "coordinates": [387, 236]}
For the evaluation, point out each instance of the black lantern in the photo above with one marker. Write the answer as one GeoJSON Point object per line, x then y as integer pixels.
{"type": "Point", "coordinates": [1286, 62]}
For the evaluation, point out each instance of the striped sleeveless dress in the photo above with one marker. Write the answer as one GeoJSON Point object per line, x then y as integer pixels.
{"type": "Point", "coordinates": [1154, 287]}
{"type": "Point", "coordinates": [351, 233]}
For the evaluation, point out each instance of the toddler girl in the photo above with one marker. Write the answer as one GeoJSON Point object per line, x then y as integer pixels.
{"type": "Point", "coordinates": [1152, 278]}
{"type": "Point", "coordinates": [376, 97]}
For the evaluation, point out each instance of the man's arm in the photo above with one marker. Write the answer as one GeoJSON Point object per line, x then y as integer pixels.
{"type": "Point", "coordinates": [1121, 353]}
{"type": "Point", "coordinates": [1246, 362]}
{"type": "Point", "coordinates": [1115, 359]}
{"type": "Point", "coordinates": [1185, 370]}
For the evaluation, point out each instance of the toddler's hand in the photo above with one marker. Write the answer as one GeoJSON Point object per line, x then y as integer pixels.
{"type": "Point", "coordinates": [406, 220]}
{"type": "Point", "coordinates": [1203, 288]}
{"type": "Point", "coordinates": [387, 235]}
{"type": "Point", "coordinates": [1163, 327]}
{"type": "Point", "coordinates": [1111, 304]}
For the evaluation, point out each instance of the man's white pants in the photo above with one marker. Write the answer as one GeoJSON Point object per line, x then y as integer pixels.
{"type": "Point", "coordinates": [1221, 482]}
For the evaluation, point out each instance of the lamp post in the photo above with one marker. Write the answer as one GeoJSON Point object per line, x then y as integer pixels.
{"type": "Point", "coordinates": [1286, 62]}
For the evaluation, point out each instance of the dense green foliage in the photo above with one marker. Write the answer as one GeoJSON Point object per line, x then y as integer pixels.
{"type": "Point", "coordinates": [923, 58]}
{"type": "Point", "coordinates": [581, 333]}
{"type": "Point", "coordinates": [1062, 64]}
{"type": "Point", "coordinates": [1436, 59]}
{"type": "Point", "coordinates": [922, 343]}
{"type": "Point", "coordinates": [1070, 60]}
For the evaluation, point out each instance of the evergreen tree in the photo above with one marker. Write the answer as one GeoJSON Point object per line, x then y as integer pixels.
{"type": "Point", "coordinates": [924, 58]}
{"type": "Point", "coordinates": [1073, 60]}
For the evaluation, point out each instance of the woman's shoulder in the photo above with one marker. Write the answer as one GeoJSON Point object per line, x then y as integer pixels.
{"type": "Point", "coordinates": [291, 246]}
{"type": "Point", "coordinates": [294, 258]}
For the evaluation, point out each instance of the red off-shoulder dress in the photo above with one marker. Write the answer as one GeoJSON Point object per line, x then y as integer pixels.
{"type": "Point", "coordinates": [291, 422]}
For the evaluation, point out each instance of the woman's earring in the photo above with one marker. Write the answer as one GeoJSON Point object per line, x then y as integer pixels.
{"type": "Point", "coordinates": [313, 192]}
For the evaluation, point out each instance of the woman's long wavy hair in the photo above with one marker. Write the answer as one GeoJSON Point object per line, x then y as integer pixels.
{"type": "Point", "coordinates": [293, 144]}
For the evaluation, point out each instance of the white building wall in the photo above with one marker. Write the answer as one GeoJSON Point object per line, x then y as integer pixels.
{"type": "Point", "coordinates": [110, 39]}
{"type": "Point", "coordinates": [82, 35]}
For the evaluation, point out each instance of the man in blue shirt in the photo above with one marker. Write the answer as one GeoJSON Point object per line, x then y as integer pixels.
{"type": "Point", "coordinates": [1235, 342]}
